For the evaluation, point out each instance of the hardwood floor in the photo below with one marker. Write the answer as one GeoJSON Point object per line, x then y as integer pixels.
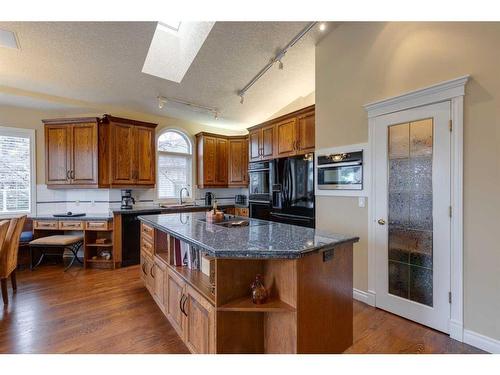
{"type": "Point", "coordinates": [100, 311]}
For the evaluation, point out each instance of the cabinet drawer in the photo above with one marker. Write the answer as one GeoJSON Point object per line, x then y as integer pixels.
{"type": "Point", "coordinates": [147, 231]}
{"type": "Point", "coordinates": [45, 224]}
{"type": "Point", "coordinates": [98, 225]}
{"type": "Point", "coordinates": [71, 225]}
{"type": "Point", "coordinates": [147, 246]}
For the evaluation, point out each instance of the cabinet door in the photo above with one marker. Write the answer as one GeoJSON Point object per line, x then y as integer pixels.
{"type": "Point", "coordinates": [200, 323]}
{"type": "Point", "coordinates": [221, 162]}
{"type": "Point", "coordinates": [267, 148]}
{"type": "Point", "coordinates": [144, 156]}
{"type": "Point", "coordinates": [237, 160]}
{"type": "Point", "coordinates": [122, 154]}
{"type": "Point", "coordinates": [84, 154]}
{"type": "Point", "coordinates": [57, 154]}
{"type": "Point", "coordinates": [146, 277]}
{"type": "Point", "coordinates": [158, 275]}
{"type": "Point", "coordinates": [305, 126]}
{"type": "Point", "coordinates": [209, 160]}
{"type": "Point", "coordinates": [286, 142]}
{"type": "Point", "coordinates": [254, 140]}
{"type": "Point", "coordinates": [175, 296]}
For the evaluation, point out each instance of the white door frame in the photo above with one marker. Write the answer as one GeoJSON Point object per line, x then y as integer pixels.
{"type": "Point", "coordinates": [452, 91]}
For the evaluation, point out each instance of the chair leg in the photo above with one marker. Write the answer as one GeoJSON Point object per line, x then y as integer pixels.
{"type": "Point", "coordinates": [13, 279]}
{"type": "Point", "coordinates": [5, 295]}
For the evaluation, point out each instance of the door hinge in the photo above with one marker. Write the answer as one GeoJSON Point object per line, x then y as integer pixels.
{"type": "Point", "coordinates": [450, 125]}
{"type": "Point", "coordinates": [449, 297]}
{"type": "Point", "coordinates": [450, 211]}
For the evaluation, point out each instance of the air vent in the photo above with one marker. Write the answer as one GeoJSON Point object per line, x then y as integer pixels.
{"type": "Point", "coordinates": [8, 39]}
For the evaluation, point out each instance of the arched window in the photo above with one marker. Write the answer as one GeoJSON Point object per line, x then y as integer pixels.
{"type": "Point", "coordinates": [174, 164]}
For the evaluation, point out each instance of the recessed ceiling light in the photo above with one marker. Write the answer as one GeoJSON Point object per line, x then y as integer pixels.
{"type": "Point", "coordinates": [322, 26]}
{"type": "Point", "coordinates": [8, 39]}
{"type": "Point", "coordinates": [171, 25]}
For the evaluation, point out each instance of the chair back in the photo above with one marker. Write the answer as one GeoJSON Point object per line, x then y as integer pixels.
{"type": "Point", "coordinates": [4, 225]}
{"type": "Point", "coordinates": [9, 249]}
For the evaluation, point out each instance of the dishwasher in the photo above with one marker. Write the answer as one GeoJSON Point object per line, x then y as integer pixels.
{"type": "Point", "coordinates": [131, 237]}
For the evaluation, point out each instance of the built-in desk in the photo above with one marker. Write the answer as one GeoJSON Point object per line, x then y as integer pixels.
{"type": "Point", "coordinates": [97, 233]}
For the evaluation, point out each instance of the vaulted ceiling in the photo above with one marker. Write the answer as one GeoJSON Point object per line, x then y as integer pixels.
{"type": "Point", "coordinates": [99, 64]}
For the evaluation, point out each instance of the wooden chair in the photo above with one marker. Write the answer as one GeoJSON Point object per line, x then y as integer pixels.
{"type": "Point", "coordinates": [8, 255]}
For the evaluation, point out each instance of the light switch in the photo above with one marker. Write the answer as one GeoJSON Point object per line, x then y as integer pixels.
{"type": "Point", "coordinates": [361, 202]}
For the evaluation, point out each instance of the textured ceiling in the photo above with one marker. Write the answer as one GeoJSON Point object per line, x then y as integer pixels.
{"type": "Point", "coordinates": [101, 62]}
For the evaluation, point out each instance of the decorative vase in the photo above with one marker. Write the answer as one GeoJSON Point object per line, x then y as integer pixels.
{"type": "Point", "coordinates": [259, 292]}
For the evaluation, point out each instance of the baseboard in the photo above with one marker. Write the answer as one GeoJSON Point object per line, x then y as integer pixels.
{"type": "Point", "coordinates": [362, 296]}
{"type": "Point", "coordinates": [485, 343]}
{"type": "Point", "coordinates": [456, 330]}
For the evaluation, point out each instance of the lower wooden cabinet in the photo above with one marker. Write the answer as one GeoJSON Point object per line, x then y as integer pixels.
{"type": "Point", "coordinates": [191, 314]}
{"type": "Point", "coordinates": [199, 327]}
{"type": "Point", "coordinates": [173, 305]}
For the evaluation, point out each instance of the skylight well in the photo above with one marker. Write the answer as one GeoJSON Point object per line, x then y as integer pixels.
{"type": "Point", "coordinates": [174, 47]}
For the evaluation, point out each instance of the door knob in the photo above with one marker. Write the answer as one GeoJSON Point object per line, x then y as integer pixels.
{"type": "Point", "coordinates": [381, 221]}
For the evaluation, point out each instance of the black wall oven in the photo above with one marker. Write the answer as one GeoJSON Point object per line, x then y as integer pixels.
{"type": "Point", "coordinates": [341, 171]}
{"type": "Point", "coordinates": [259, 189]}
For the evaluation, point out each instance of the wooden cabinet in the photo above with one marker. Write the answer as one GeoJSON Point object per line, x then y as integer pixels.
{"type": "Point", "coordinates": [261, 143]}
{"type": "Point", "coordinates": [221, 161]}
{"type": "Point", "coordinates": [288, 135]}
{"type": "Point", "coordinates": [129, 151]}
{"type": "Point", "coordinates": [306, 132]}
{"type": "Point", "coordinates": [199, 328]}
{"type": "Point", "coordinates": [92, 152]}
{"type": "Point", "coordinates": [241, 211]}
{"type": "Point", "coordinates": [175, 298]}
{"type": "Point", "coordinates": [71, 152]}
{"type": "Point", "coordinates": [238, 161]}
{"type": "Point", "coordinates": [157, 272]}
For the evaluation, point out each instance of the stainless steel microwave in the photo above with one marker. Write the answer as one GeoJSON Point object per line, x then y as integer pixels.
{"type": "Point", "coordinates": [341, 171]}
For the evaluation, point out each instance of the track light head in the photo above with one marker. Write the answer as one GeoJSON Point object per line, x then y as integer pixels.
{"type": "Point", "coordinates": [216, 115]}
{"type": "Point", "coordinates": [322, 26]}
{"type": "Point", "coordinates": [242, 99]}
{"type": "Point", "coordinates": [161, 102]}
{"type": "Point", "coordinates": [280, 65]}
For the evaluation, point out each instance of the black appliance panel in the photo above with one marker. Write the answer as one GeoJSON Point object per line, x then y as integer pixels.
{"type": "Point", "coordinates": [260, 210]}
{"type": "Point", "coordinates": [131, 238]}
{"type": "Point", "coordinates": [293, 186]}
{"type": "Point", "coordinates": [259, 175]}
{"type": "Point", "coordinates": [302, 221]}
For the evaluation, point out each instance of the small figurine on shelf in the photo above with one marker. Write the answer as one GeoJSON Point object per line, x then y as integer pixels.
{"type": "Point", "coordinates": [259, 292]}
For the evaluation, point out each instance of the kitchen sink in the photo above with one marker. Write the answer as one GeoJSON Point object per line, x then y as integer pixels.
{"type": "Point", "coordinates": [178, 205]}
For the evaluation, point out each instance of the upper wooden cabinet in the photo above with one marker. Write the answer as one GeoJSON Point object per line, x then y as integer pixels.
{"type": "Point", "coordinates": [92, 152]}
{"type": "Point", "coordinates": [221, 161]}
{"type": "Point", "coordinates": [261, 143]}
{"type": "Point", "coordinates": [71, 152]}
{"type": "Point", "coordinates": [288, 135]}
{"type": "Point", "coordinates": [238, 161]}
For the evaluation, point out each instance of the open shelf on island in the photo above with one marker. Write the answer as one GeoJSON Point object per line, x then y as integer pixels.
{"type": "Point", "coordinates": [246, 304]}
{"type": "Point", "coordinates": [197, 279]}
{"type": "Point", "coordinates": [99, 260]}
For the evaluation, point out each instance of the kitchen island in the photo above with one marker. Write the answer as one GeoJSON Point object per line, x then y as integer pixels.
{"type": "Point", "coordinates": [307, 272]}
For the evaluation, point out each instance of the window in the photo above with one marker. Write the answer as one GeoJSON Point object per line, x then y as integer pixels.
{"type": "Point", "coordinates": [17, 177]}
{"type": "Point", "coordinates": [174, 164]}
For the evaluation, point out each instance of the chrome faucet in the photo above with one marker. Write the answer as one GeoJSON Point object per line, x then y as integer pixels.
{"type": "Point", "coordinates": [180, 194]}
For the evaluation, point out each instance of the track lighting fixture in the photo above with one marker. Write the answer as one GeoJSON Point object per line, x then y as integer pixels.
{"type": "Point", "coordinates": [242, 99]}
{"type": "Point", "coordinates": [277, 59]}
{"type": "Point", "coordinates": [162, 100]}
{"type": "Point", "coordinates": [322, 26]}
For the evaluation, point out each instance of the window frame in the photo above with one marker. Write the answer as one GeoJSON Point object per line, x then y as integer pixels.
{"type": "Point", "coordinates": [30, 134]}
{"type": "Point", "coordinates": [190, 143]}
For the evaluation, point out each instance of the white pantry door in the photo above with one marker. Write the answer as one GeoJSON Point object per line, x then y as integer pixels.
{"type": "Point", "coordinates": [412, 207]}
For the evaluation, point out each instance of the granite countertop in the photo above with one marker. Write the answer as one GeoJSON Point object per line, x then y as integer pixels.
{"type": "Point", "coordinates": [260, 239]}
{"type": "Point", "coordinates": [87, 217]}
{"type": "Point", "coordinates": [174, 208]}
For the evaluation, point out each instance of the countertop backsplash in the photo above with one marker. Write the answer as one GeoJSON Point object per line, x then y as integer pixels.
{"type": "Point", "coordinates": [101, 201]}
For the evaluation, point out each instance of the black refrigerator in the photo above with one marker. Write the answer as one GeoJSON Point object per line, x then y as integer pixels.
{"type": "Point", "coordinates": [293, 190]}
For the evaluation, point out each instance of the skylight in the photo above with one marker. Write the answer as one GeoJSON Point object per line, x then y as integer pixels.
{"type": "Point", "coordinates": [172, 25]}
{"type": "Point", "coordinates": [174, 48]}
{"type": "Point", "coordinates": [8, 39]}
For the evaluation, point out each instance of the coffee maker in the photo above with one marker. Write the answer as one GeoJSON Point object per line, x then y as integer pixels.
{"type": "Point", "coordinates": [127, 199]}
